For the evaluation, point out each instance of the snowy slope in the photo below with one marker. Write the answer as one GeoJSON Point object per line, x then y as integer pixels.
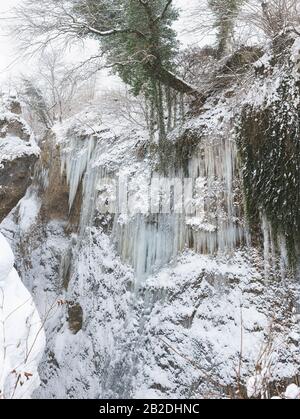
{"type": "Point", "coordinates": [22, 338]}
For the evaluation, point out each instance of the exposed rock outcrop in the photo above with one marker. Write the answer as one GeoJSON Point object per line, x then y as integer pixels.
{"type": "Point", "coordinates": [18, 155]}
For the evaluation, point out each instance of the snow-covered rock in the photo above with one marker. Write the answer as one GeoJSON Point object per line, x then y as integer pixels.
{"type": "Point", "coordinates": [18, 154]}
{"type": "Point", "coordinates": [22, 337]}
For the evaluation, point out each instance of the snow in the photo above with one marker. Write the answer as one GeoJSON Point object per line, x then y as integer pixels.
{"type": "Point", "coordinates": [22, 338]}
{"type": "Point", "coordinates": [193, 304]}
{"type": "Point", "coordinates": [12, 147]}
{"type": "Point", "coordinates": [14, 144]}
{"type": "Point", "coordinates": [139, 284]}
{"type": "Point", "coordinates": [29, 208]}
{"type": "Point", "coordinates": [292, 392]}
{"type": "Point", "coordinates": [7, 259]}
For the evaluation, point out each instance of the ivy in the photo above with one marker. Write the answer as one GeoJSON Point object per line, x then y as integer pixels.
{"type": "Point", "coordinates": [268, 139]}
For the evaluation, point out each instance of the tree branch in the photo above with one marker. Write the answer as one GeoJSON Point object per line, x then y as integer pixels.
{"type": "Point", "coordinates": [162, 16]}
{"type": "Point", "coordinates": [170, 79]}
{"type": "Point", "coordinates": [112, 31]}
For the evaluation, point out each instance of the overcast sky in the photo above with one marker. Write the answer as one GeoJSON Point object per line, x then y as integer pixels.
{"type": "Point", "coordinates": [7, 47]}
{"type": "Point", "coordinates": [11, 65]}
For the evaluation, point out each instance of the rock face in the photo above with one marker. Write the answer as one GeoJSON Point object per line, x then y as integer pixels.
{"type": "Point", "coordinates": [18, 154]}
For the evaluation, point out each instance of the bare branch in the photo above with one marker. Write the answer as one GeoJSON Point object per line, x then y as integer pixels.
{"type": "Point", "coordinates": [113, 31]}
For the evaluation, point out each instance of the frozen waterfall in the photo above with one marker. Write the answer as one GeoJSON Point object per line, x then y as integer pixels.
{"type": "Point", "coordinates": [209, 222]}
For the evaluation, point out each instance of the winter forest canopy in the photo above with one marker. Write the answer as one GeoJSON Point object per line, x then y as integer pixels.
{"type": "Point", "coordinates": [150, 193]}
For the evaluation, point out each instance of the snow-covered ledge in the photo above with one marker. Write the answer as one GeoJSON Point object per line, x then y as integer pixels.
{"type": "Point", "coordinates": [22, 337]}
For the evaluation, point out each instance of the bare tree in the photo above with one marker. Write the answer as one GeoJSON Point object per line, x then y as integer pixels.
{"type": "Point", "coordinates": [252, 21]}
{"type": "Point", "coordinates": [272, 17]}
{"type": "Point", "coordinates": [40, 23]}
{"type": "Point", "coordinates": [56, 88]}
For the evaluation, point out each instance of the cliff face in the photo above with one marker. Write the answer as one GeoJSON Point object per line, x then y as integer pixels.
{"type": "Point", "coordinates": [18, 154]}
{"type": "Point", "coordinates": [188, 299]}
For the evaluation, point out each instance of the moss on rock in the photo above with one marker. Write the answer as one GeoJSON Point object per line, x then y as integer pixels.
{"type": "Point", "coordinates": [269, 145]}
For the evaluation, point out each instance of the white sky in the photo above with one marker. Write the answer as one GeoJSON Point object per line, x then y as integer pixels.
{"type": "Point", "coordinates": [10, 65]}
{"type": "Point", "coordinates": [187, 25]}
{"type": "Point", "coordinates": [7, 47]}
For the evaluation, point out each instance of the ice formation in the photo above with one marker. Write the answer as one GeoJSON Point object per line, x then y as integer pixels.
{"type": "Point", "coordinates": [210, 220]}
{"type": "Point", "coordinates": [75, 161]}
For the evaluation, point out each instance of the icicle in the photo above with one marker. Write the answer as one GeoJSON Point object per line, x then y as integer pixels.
{"type": "Point", "coordinates": [96, 180]}
{"type": "Point", "coordinates": [76, 155]}
{"type": "Point", "coordinates": [267, 244]}
{"type": "Point", "coordinates": [284, 263]}
{"type": "Point", "coordinates": [214, 225]}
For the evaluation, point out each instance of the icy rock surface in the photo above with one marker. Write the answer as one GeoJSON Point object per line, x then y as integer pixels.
{"type": "Point", "coordinates": [22, 338]}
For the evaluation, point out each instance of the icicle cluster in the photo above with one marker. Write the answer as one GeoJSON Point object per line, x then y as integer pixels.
{"type": "Point", "coordinates": [75, 159]}
{"type": "Point", "coordinates": [209, 222]}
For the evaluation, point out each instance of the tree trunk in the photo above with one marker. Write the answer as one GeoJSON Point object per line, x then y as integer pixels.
{"type": "Point", "coordinates": [182, 110]}
{"type": "Point", "coordinates": [175, 110]}
{"type": "Point", "coordinates": [152, 120]}
{"type": "Point", "coordinates": [169, 106]}
{"type": "Point", "coordinates": [169, 79]}
{"type": "Point", "coordinates": [160, 112]}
